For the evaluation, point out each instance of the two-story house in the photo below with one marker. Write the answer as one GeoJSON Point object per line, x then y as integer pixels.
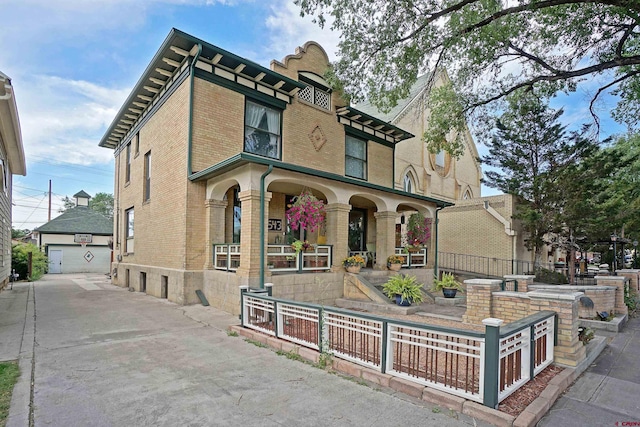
{"type": "Point", "coordinates": [12, 162]}
{"type": "Point", "coordinates": [211, 148]}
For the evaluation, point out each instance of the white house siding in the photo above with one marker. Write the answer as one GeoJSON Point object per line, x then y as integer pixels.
{"type": "Point", "coordinates": [74, 261]}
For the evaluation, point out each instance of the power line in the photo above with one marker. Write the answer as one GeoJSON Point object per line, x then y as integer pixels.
{"type": "Point", "coordinates": [32, 212]}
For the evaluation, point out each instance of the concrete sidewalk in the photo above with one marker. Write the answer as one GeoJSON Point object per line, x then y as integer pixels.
{"type": "Point", "coordinates": [99, 355]}
{"type": "Point", "coordinates": [608, 392]}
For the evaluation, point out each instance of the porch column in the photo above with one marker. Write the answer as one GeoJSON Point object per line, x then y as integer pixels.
{"type": "Point", "coordinates": [385, 237]}
{"type": "Point", "coordinates": [214, 227]}
{"type": "Point", "coordinates": [250, 232]}
{"type": "Point", "coordinates": [338, 232]}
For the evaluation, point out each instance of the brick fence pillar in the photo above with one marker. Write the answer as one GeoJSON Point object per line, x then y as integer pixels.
{"type": "Point", "coordinates": [523, 281]}
{"type": "Point", "coordinates": [479, 294]}
{"type": "Point", "coordinates": [633, 275]}
{"type": "Point", "coordinates": [570, 351]}
{"type": "Point", "coordinates": [618, 282]}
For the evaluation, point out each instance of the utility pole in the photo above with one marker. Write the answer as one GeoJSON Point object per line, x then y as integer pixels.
{"type": "Point", "coordinates": [49, 217]}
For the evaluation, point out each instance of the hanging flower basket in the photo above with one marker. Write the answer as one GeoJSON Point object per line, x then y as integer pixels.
{"type": "Point", "coordinates": [307, 212]}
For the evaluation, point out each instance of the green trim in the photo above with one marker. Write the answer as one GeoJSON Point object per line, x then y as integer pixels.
{"type": "Point", "coordinates": [142, 121]}
{"type": "Point", "coordinates": [525, 322]}
{"type": "Point", "coordinates": [378, 121]}
{"type": "Point", "coordinates": [186, 41]}
{"type": "Point", "coordinates": [227, 54]}
{"type": "Point", "coordinates": [435, 265]}
{"type": "Point", "coordinates": [357, 133]}
{"type": "Point", "coordinates": [491, 366]}
{"type": "Point", "coordinates": [244, 158]}
{"type": "Point", "coordinates": [192, 68]}
{"type": "Point", "coordinates": [237, 87]}
{"type": "Point", "coordinates": [262, 233]}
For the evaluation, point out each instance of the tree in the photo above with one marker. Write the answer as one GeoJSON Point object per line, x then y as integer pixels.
{"type": "Point", "coordinates": [533, 153]}
{"type": "Point", "coordinates": [101, 203]}
{"type": "Point", "coordinates": [491, 48]}
{"type": "Point", "coordinates": [20, 261]}
{"type": "Point", "coordinates": [18, 234]}
{"type": "Point", "coordinates": [67, 204]}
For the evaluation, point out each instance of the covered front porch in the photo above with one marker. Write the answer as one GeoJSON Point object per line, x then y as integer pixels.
{"type": "Point", "coordinates": [248, 232]}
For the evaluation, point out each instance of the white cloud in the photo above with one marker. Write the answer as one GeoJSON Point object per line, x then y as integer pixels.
{"type": "Point", "coordinates": [63, 120]}
{"type": "Point", "coordinates": [288, 30]}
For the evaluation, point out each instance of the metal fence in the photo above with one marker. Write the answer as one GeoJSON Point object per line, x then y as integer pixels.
{"type": "Point", "coordinates": [487, 266]}
{"type": "Point", "coordinates": [448, 359]}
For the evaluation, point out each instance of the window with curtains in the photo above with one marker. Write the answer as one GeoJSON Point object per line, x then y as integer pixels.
{"type": "Point", "coordinates": [355, 157]}
{"type": "Point", "coordinates": [262, 130]}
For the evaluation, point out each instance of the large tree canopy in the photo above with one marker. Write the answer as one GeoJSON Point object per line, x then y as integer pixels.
{"type": "Point", "coordinates": [490, 48]}
{"type": "Point", "coordinates": [537, 158]}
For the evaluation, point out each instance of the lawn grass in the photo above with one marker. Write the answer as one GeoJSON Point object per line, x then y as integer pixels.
{"type": "Point", "coordinates": [9, 373]}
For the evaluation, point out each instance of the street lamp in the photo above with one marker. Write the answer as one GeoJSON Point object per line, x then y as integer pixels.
{"type": "Point", "coordinates": [614, 238]}
{"type": "Point", "coordinates": [635, 253]}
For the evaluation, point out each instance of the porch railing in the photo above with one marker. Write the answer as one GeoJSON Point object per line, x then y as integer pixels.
{"type": "Point", "coordinates": [413, 259]}
{"type": "Point", "coordinates": [448, 359]}
{"type": "Point", "coordinates": [226, 257]}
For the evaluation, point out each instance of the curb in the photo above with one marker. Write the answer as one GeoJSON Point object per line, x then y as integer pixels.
{"type": "Point", "coordinates": [528, 418]}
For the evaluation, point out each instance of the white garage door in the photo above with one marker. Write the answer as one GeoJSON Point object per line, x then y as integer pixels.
{"type": "Point", "coordinates": [90, 259]}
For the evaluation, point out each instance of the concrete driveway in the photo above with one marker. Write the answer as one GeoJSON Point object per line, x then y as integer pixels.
{"type": "Point", "coordinates": [99, 355]}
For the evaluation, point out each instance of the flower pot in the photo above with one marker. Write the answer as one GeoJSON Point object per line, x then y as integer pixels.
{"type": "Point", "coordinates": [353, 269]}
{"type": "Point", "coordinates": [402, 302]}
{"type": "Point", "coordinates": [413, 250]}
{"type": "Point", "coordinates": [394, 267]}
{"type": "Point", "coordinates": [449, 293]}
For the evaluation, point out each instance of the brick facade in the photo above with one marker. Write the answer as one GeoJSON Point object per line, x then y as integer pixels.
{"type": "Point", "coordinates": [201, 185]}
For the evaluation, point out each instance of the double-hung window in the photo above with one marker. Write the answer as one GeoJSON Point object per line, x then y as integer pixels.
{"type": "Point", "coordinates": [127, 172]}
{"type": "Point", "coordinates": [129, 230]}
{"type": "Point", "coordinates": [147, 176]}
{"type": "Point", "coordinates": [355, 157]}
{"type": "Point", "coordinates": [262, 130]}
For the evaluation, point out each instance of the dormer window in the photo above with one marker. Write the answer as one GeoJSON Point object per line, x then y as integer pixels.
{"type": "Point", "coordinates": [317, 91]}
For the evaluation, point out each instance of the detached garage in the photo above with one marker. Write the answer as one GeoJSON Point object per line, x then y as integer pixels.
{"type": "Point", "coordinates": [78, 241]}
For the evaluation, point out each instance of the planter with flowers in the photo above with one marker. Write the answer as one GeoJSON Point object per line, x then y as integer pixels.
{"type": "Point", "coordinates": [394, 262]}
{"type": "Point", "coordinates": [353, 264]}
{"type": "Point", "coordinates": [301, 245]}
{"type": "Point", "coordinates": [418, 232]}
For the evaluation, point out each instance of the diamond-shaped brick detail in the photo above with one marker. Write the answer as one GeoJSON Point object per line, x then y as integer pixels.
{"type": "Point", "coordinates": [317, 138]}
{"type": "Point", "coordinates": [88, 256]}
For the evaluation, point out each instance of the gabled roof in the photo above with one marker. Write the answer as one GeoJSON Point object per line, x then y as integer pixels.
{"type": "Point", "coordinates": [80, 219]}
{"type": "Point", "coordinates": [82, 194]}
{"type": "Point", "coordinates": [416, 89]}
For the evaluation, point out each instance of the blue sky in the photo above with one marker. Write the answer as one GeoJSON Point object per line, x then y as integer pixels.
{"type": "Point", "coordinates": [73, 62]}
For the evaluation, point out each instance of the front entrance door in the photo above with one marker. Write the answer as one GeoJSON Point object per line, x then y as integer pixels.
{"type": "Point", "coordinates": [357, 230]}
{"type": "Point", "coordinates": [55, 261]}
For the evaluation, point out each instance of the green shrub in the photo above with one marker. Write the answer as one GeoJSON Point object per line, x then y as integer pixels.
{"type": "Point", "coordinates": [547, 276]}
{"type": "Point", "coordinates": [20, 260]}
{"type": "Point", "coordinates": [404, 285]}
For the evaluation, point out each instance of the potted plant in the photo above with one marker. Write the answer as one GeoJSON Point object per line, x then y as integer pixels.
{"type": "Point", "coordinates": [353, 264]}
{"type": "Point", "coordinates": [448, 285]}
{"type": "Point", "coordinates": [418, 232]}
{"type": "Point", "coordinates": [394, 262]}
{"type": "Point", "coordinates": [404, 288]}
{"type": "Point", "coordinates": [301, 245]}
